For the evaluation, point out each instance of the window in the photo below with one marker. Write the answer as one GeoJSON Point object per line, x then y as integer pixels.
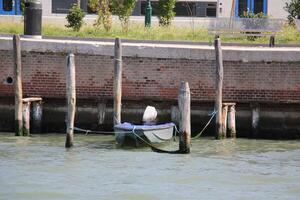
{"type": "Point", "coordinates": [258, 6]}
{"type": "Point", "coordinates": [211, 10]}
{"type": "Point", "coordinates": [7, 5]}
{"type": "Point", "coordinates": [181, 8]}
{"type": "Point", "coordinates": [185, 9]}
{"type": "Point", "coordinates": [242, 7]}
{"type": "Point", "coordinates": [254, 6]}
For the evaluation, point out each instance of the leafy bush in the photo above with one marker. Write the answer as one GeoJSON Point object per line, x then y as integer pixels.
{"type": "Point", "coordinates": [104, 15]}
{"type": "Point", "coordinates": [253, 15]}
{"type": "Point", "coordinates": [75, 17]}
{"type": "Point", "coordinates": [22, 6]}
{"type": "Point", "coordinates": [293, 8]}
{"type": "Point", "coordinates": [165, 11]}
{"type": "Point", "coordinates": [92, 6]}
{"type": "Point", "coordinates": [123, 9]}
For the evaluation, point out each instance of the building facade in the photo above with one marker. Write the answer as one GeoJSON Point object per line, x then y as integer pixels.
{"type": "Point", "coordinates": [187, 8]}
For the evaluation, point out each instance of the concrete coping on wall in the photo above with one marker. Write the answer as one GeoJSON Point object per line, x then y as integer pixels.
{"type": "Point", "coordinates": [165, 51]}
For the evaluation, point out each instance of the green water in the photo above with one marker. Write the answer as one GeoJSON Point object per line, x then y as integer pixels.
{"type": "Point", "coordinates": [39, 167]}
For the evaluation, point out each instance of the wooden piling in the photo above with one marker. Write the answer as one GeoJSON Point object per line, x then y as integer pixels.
{"type": "Point", "coordinates": [231, 121]}
{"type": "Point", "coordinates": [71, 99]}
{"type": "Point", "coordinates": [272, 41]}
{"type": "Point", "coordinates": [117, 81]}
{"type": "Point", "coordinates": [184, 103]}
{"type": "Point", "coordinates": [18, 85]}
{"type": "Point", "coordinates": [255, 120]}
{"type": "Point", "coordinates": [26, 118]}
{"type": "Point", "coordinates": [37, 114]}
{"type": "Point", "coordinates": [224, 120]}
{"type": "Point", "coordinates": [218, 89]}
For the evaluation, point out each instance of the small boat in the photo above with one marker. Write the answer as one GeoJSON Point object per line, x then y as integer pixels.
{"type": "Point", "coordinates": [128, 134]}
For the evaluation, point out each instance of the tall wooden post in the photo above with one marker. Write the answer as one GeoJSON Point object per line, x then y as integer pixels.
{"type": "Point", "coordinates": [184, 103]}
{"type": "Point", "coordinates": [231, 121]}
{"type": "Point", "coordinates": [117, 81]}
{"type": "Point", "coordinates": [18, 86]}
{"type": "Point", "coordinates": [71, 99]}
{"type": "Point", "coordinates": [218, 90]}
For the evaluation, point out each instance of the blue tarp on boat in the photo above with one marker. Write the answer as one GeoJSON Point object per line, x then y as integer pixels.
{"type": "Point", "coordinates": [129, 126]}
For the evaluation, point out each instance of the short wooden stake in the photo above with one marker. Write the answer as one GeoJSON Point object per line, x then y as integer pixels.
{"type": "Point", "coordinates": [117, 81]}
{"type": "Point", "coordinates": [218, 89]}
{"type": "Point", "coordinates": [272, 41]}
{"type": "Point", "coordinates": [224, 120]}
{"type": "Point", "coordinates": [26, 118]}
{"type": "Point", "coordinates": [255, 120]}
{"type": "Point", "coordinates": [71, 99]}
{"type": "Point", "coordinates": [184, 103]}
{"type": "Point", "coordinates": [231, 121]}
{"type": "Point", "coordinates": [18, 85]}
{"type": "Point", "coordinates": [37, 114]}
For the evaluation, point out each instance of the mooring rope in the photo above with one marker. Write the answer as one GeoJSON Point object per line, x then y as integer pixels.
{"type": "Point", "coordinates": [212, 116]}
{"type": "Point", "coordinates": [99, 132]}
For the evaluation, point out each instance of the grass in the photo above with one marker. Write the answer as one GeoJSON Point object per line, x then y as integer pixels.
{"type": "Point", "coordinates": [289, 35]}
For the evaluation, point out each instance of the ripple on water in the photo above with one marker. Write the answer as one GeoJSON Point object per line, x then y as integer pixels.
{"type": "Point", "coordinates": [39, 167]}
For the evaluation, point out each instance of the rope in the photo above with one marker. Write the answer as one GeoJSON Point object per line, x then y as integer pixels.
{"type": "Point", "coordinates": [98, 132]}
{"type": "Point", "coordinates": [199, 134]}
{"type": "Point", "coordinates": [155, 149]}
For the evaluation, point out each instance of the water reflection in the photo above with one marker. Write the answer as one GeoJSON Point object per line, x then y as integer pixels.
{"type": "Point", "coordinates": [39, 167]}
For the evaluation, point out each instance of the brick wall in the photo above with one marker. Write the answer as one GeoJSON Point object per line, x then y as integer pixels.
{"type": "Point", "coordinates": [153, 78]}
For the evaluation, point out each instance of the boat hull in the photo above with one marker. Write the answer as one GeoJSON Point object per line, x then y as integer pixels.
{"type": "Point", "coordinates": [139, 135]}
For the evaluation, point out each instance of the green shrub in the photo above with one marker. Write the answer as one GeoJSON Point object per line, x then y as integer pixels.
{"type": "Point", "coordinates": [165, 11]}
{"type": "Point", "coordinates": [293, 8]}
{"type": "Point", "coordinates": [92, 6]}
{"type": "Point", "coordinates": [22, 6]}
{"type": "Point", "coordinates": [75, 18]}
{"type": "Point", "coordinates": [104, 15]}
{"type": "Point", "coordinates": [123, 9]}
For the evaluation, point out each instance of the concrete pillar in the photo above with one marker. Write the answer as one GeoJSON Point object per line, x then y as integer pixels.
{"type": "Point", "coordinates": [255, 120]}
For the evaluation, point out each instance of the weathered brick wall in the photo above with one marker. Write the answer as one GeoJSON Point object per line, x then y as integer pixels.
{"type": "Point", "coordinates": [153, 78]}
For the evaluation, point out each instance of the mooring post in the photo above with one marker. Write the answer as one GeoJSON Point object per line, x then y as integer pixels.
{"type": "Point", "coordinates": [255, 120]}
{"type": "Point", "coordinates": [184, 103]}
{"type": "Point", "coordinates": [26, 118]}
{"type": "Point", "coordinates": [224, 120]}
{"type": "Point", "coordinates": [231, 120]}
{"type": "Point", "coordinates": [71, 99]}
{"type": "Point", "coordinates": [218, 89]}
{"type": "Point", "coordinates": [18, 85]}
{"type": "Point", "coordinates": [37, 113]}
{"type": "Point", "coordinates": [272, 41]}
{"type": "Point", "coordinates": [117, 81]}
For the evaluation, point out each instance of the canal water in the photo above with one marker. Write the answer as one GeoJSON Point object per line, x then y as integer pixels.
{"type": "Point", "coordinates": [39, 167]}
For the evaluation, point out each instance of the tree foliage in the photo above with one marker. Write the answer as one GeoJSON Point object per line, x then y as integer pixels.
{"type": "Point", "coordinates": [293, 8]}
{"type": "Point", "coordinates": [75, 18]}
{"type": "Point", "coordinates": [104, 15]}
{"type": "Point", "coordinates": [123, 9]}
{"type": "Point", "coordinates": [165, 12]}
{"type": "Point", "coordinates": [93, 6]}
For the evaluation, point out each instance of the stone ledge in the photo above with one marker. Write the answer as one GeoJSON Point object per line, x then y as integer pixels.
{"type": "Point", "coordinates": [168, 51]}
